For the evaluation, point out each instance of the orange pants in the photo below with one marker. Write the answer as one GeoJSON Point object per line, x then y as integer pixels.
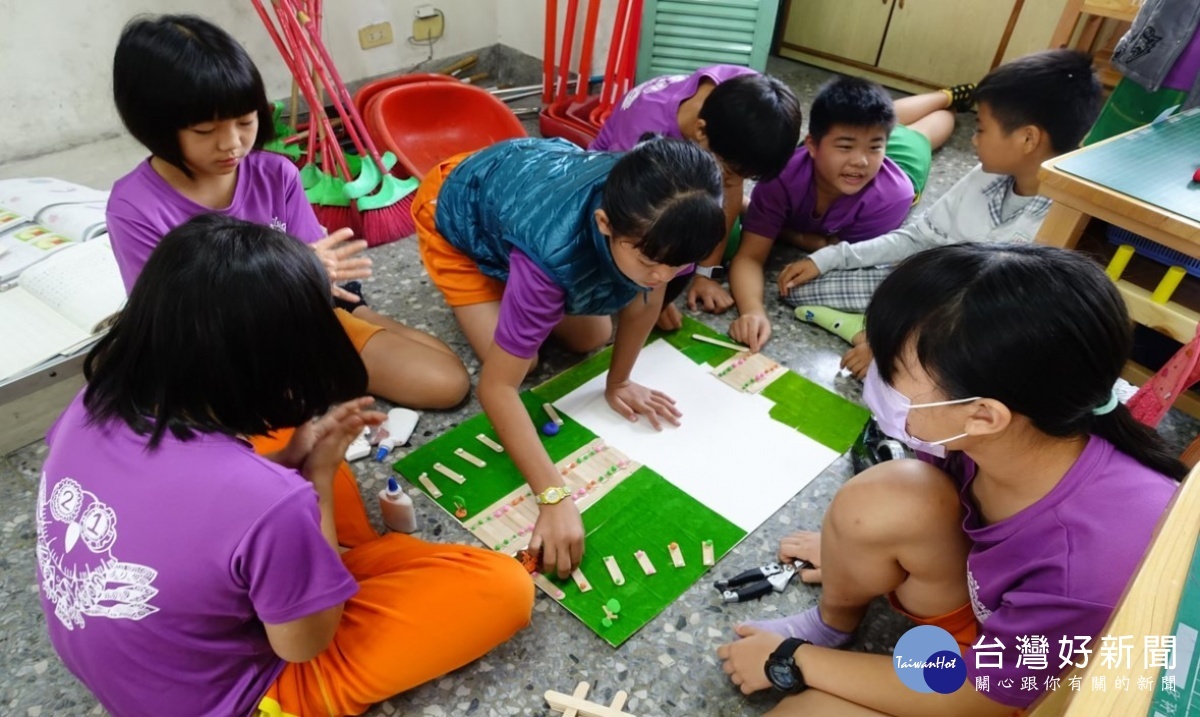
{"type": "Point", "coordinates": [359, 331]}
{"type": "Point", "coordinates": [961, 623]}
{"type": "Point", "coordinates": [454, 273]}
{"type": "Point", "coordinates": [422, 610]}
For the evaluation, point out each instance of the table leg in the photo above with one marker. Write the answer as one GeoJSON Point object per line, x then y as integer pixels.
{"type": "Point", "coordinates": [1062, 226]}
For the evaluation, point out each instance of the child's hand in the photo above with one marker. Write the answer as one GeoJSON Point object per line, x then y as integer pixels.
{"type": "Point", "coordinates": [339, 255]}
{"type": "Point", "coordinates": [752, 330]}
{"type": "Point", "coordinates": [328, 437]}
{"type": "Point", "coordinates": [558, 534]}
{"type": "Point", "coordinates": [631, 400]}
{"type": "Point", "coordinates": [797, 273]}
{"type": "Point", "coordinates": [745, 659]}
{"type": "Point", "coordinates": [858, 359]}
{"type": "Point", "coordinates": [709, 295]}
{"type": "Point", "coordinates": [670, 319]}
{"type": "Point", "coordinates": [803, 545]}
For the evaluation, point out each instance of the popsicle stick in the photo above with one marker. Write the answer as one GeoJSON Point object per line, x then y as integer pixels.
{"type": "Point", "coordinates": [548, 587]}
{"type": "Point", "coordinates": [470, 458]}
{"type": "Point", "coordinates": [718, 342]}
{"type": "Point", "coordinates": [456, 477]}
{"type": "Point", "coordinates": [581, 581]}
{"type": "Point", "coordinates": [553, 414]}
{"type": "Point", "coordinates": [490, 443]}
{"type": "Point", "coordinates": [424, 480]}
{"type": "Point", "coordinates": [614, 570]}
{"type": "Point", "coordinates": [676, 555]}
{"type": "Point", "coordinates": [707, 549]}
{"type": "Point", "coordinates": [644, 561]}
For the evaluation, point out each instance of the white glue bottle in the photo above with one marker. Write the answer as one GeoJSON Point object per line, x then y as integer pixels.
{"type": "Point", "coordinates": [397, 508]}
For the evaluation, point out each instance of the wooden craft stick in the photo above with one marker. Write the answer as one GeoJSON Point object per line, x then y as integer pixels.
{"type": "Point", "coordinates": [614, 570]}
{"type": "Point", "coordinates": [469, 458]}
{"type": "Point", "coordinates": [548, 587]}
{"type": "Point", "coordinates": [707, 549]}
{"type": "Point", "coordinates": [423, 479]}
{"type": "Point", "coordinates": [581, 581]}
{"type": "Point", "coordinates": [490, 443]}
{"type": "Point", "coordinates": [456, 477]}
{"type": "Point", "coordinates": [676, 555]}
{"type": "Point", "coordinates": [644, 561]}
{"type": "Point", "coordinates": [718, 342]}
{"type": "Point", "coordinates": [552, 414]}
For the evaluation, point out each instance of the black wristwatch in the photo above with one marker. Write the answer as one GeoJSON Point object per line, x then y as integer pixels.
{"type": "Point", "coordinates": [782, 670]}
{"type": "Point", "coordinates": [716, 273]}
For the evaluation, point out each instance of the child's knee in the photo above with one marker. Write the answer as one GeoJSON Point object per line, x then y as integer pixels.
{"type": "Point", "coordinates": [893, 498]}
{"type": "Point", "coordinates": [449, 384]}
{"type": "Point", "coordinates": [588, 336]}
{"type": "Point", "coordinates": [511, 602]}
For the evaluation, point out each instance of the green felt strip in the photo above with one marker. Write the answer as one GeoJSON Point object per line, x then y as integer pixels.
{"type": "Point", "coordinates": [698, 351]}
{"type": "Point", "coordinates": [485, 486]}
{"type": "Point", "coordinates": [823, 416]}
{"type": "Point", "coordinates": [644, 512]}
{"type": "Point", "coordinates": [574, 377]}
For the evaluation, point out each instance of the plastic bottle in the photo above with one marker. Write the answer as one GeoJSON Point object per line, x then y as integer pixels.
{"type": "Point", "coordinates": [397, 508]}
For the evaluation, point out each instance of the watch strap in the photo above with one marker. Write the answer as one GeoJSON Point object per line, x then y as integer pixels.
{"type": "Point", "coordinates": [553, 495]}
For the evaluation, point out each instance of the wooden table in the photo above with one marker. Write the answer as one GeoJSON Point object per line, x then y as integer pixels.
{"type": "Point", "coordinates": [1078, 200]}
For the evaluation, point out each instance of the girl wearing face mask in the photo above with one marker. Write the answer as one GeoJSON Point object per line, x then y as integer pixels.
{"type": "Point", "coordinates": [1035, 497]}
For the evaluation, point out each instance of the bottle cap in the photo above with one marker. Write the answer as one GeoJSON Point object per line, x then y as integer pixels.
{"type": "Point", "coordinates": [393, 487]}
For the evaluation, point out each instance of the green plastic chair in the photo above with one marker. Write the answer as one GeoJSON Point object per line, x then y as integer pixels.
{"type": "Point", "coordinates": [681, 36]}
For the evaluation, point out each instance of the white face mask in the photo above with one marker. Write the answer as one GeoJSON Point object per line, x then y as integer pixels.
{"type": "Point", "coordinates": [891, 413]}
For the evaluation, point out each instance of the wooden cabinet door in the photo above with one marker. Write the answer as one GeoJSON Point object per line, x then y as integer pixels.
{"type": "Point", "coordinates": [846, 29]}
{"type": "Point", "coordinates": [944, 42]}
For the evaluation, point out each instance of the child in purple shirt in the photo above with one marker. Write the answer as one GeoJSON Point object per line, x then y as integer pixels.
{"type": "Point", "coordinates": [1037, 498]}
{"type": "Point", "coordinates": [750, 122]}
{"type": "Point", "coordinates": [181, 572]}
{"type": "Point", "coordinates": [189, 92]}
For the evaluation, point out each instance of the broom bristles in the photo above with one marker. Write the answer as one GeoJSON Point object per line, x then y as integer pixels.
{"type": "Point", "coordinates": [388, 224]}
{"type": "Point", "coordinates": [335, 218]}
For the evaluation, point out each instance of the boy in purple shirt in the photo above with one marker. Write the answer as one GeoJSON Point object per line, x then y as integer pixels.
{"type": "Point", "coordinates": [855, 178]}
{"type": "Point", "coordinates": [1037, 498]}
{"type": "Point", "coordinates": [750, 122]}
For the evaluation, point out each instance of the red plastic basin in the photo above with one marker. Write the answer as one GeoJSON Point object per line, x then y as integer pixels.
{"type": "Point", "coordinates": [424, 123]}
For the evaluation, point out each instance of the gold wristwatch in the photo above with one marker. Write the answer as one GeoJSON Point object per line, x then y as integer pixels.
{"type": "Point", "coordinates": [553, 494]}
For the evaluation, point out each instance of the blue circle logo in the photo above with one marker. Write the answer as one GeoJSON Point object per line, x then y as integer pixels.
{"type": "Point", "coordinates": [927, 659]}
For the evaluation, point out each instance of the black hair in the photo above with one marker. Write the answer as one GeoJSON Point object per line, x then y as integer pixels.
{"type": "Point", "coordinates": [667, 194]}
{"type": "Point", "coordinates": [175, 71]}
{"type": "Point", "coordinates": [753, 124]}
{"type": "Point", "coordinates": [850, 101]}
{"type": "Point", "coordinates": [1042, 330]}
{"type": "Point", "coordinates": [229, 329]}
{"type": "Point", "coordinates": [1054, 90]}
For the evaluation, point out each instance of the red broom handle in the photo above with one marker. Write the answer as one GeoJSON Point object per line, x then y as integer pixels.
{"type": "Point", "coordinates": [629, 48]}
{"type": "Point", "coordinates": [582, 83]}
{"type": "Point", "coordinates": [342, 100]}
{"type": "Point", "coordinates": [564, 63]}
{"type": "Point", "coordinates": [608, 89]}
{"type": "Point", "coordinates": [293, 30]}
{"type": "Point", "coordinates": [548, 51]}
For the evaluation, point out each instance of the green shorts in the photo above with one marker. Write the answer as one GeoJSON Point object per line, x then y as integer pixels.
{"type": "Point", "coordinates": [911, 151]}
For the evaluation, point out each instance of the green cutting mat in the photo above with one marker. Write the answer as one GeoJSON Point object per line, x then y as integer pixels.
{"type": "Point", "coordinates": [1184, 701]}
{"type": "Point", "coordinates": [645, 511]}
{"type": "Point", "coordinates": [1154, 164]}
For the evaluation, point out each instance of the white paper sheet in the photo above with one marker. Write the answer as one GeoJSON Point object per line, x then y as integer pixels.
{"type": "Point", "coordinates": [729, 454]}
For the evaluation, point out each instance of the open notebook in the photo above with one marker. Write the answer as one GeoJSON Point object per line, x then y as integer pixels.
{"type": "Point", "coordinates": [42, 216]}
{"type": "Point", "coordinates": [59, 306]}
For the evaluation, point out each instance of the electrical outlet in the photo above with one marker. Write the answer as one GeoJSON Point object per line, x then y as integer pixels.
{"type": "Point", "coordinates": [376, 35]}
{"type": "Point", "coordinates": [429, 28]}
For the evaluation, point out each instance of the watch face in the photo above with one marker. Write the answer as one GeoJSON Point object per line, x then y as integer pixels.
{"type": "Point", "coordinates": [781, 675]}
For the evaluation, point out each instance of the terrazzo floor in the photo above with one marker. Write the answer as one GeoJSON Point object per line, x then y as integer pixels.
{"type": "Point", "coordinates": [669, 668]}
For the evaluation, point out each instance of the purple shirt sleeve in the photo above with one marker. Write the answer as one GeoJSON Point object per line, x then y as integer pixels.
{"type": "Point", "coordinates": [530, 309]}
{"type": "Point", "coordinates": [132, 236]}
{"type": "Point", "coordinates": [770, 206]}
{"type": "Point", "coordinates": [286, 564]}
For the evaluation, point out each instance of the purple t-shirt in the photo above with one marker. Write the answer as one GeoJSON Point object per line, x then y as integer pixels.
{"type": "Point", "coordinates": [158, 569]}
{"type": "Point", "coordinates": [143, 207]}
{"type": "Point", "coordinates": [1057, 568]}
{"type": "Point", "coordinates": [653, 106]}
{"type": "Point", "coordinates": [1183, 74]}
{"type": "Point", "coordinates": [789, 200]}
{"type": "Point", "coordinates": [531, 307]}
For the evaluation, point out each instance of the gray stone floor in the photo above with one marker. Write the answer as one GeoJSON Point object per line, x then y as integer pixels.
{"type": "Point", "coordinates": [669, 668]}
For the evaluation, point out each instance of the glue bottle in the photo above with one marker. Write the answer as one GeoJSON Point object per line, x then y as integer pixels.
{"type": "Point", "coordinates": [397, 508]}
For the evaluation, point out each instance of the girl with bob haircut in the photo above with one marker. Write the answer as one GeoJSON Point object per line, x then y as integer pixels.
{"type": "Point", "coordinates": [1035, 498]}
{"type": "Point", "coordinates": [182, 571]}
{"type": "Point", "coordinates": [191, 95]}
{"type": "Point", "coordinates": [535, 237]}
